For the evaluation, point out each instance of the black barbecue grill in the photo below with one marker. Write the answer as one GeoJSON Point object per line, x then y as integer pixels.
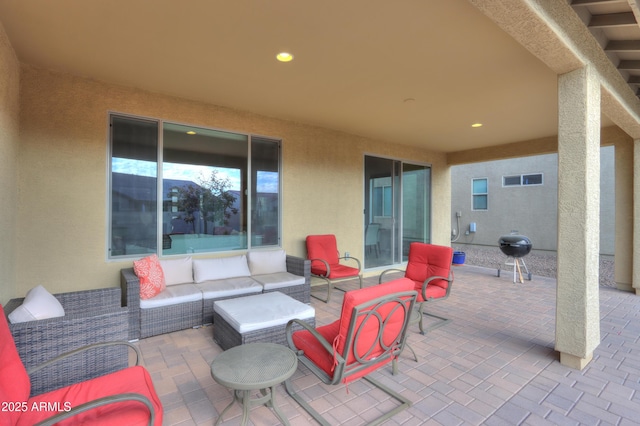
{"type": "Point", "coordinates": [516, 247]}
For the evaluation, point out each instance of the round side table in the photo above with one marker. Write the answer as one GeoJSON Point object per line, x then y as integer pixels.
{"type": "Point", "coordinates": [255, 366]}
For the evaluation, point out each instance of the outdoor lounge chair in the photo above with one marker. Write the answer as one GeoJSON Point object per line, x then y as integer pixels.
{"type": "Point", "coordinates": [125, 397]}
{"type": "Point", "coordinates": [429, 267]}
{"type": "Point", "coordinates": [322, 251]}
{"type": "Point", "coordinates": [370, 333]}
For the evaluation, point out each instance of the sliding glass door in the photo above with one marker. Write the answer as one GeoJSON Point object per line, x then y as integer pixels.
{"type": "Point", "coordinates": [397, 209]}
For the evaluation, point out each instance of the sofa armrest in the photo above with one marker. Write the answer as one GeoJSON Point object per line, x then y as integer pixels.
{"type": "Point", "coordinates": [130, 287]}
{"type": "Point", "coordinates": [87, 300]}
{"type": "Point", "coordinates": [299, 266]}
{"type": "Point", "coordinates": [41, 340]}
{"type": "Point", "coordinates": [80, 302]}
{"type": "Point", "coordinates": [61, 357]}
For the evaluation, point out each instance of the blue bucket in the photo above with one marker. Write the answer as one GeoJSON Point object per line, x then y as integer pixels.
{"type": "Point", "coordinates": [458, 258]}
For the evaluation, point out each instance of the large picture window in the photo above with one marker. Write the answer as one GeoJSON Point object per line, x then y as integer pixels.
{"type": "Point", "coordinates": [179, 189]}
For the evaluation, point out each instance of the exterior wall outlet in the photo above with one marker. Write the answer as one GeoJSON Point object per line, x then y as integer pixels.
{"type": "Point", "coordinates": [346, 254]}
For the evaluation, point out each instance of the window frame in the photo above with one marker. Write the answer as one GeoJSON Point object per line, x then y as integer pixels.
{"type": "Point", "coordinates": [247, 187]}
{"type": "Point", "coordinates": [522, 180]}
{"type": "Point", "coordinates": [479, 194]}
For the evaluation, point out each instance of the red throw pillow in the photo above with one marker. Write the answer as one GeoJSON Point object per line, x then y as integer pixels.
{"type": "Point", "coordinates": [151, 277]}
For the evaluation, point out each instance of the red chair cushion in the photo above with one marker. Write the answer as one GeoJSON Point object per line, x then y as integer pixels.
{"type": "Point", "coordinates": [432, 292]}
{"type": "Point", "coordinates": [322, 247]}
{"type": "Point", "coordinates": [15, 385]}
{"type": "Point", "coordinates": [130, 380]}
{"type": "Point", "coordinates": [336, 332]}
{"type": "Point", "coordinates": [314, 350]}
{"type": "Point", "coordinates": [337, 271]}
{"type": "Point", "coordinates": [356, 297]}
{"type": "Point", "coordinates": [428, 260]}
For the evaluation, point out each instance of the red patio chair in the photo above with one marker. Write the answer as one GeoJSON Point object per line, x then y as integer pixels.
{"type": "Point", "coordinates": [429, 267]}
{"type": "Point", "coordinates": [322, 251]}
{"type": "Point", "coordinates": [126, 397]}
{"type": "Point", "coordinates": [370, 333]}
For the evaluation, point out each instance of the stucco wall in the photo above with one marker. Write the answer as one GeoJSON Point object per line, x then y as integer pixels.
{"type": "Point", "coordinates": [9, 125]}
{"type": "Point", "coordinates": [531, 210]}
{"type": "Point", "coordinates": [63, 171]}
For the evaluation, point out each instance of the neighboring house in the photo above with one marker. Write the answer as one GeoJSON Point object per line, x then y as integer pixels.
{"type": "Point", "coordinates": [521, 194]}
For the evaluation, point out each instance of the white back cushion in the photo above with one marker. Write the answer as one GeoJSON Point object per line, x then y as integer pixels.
{"type": "Point", "coordinates": [267, 261]}
{"type": "Point", "coordinates": [38, 304]}
{"type": "Point", "coordinates": [177, 271]}
{"type": "Point", "coordinates": [220, 268]}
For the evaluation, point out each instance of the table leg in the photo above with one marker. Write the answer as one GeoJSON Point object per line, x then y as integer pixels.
{"type": "Point", "coordinates": [276, 410]}
{"type": "Point", "coordinates": [233, 400]}
{"type": "Point", "coordinates": [246, 406]}
{"type": "Point", "coordinates": [244, 399]}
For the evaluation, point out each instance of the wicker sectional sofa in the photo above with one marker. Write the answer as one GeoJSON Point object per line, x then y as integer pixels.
{"type": "Point", "coordinates": [90, 316]}
{"type": "Point", "coordinates": [194, 285]}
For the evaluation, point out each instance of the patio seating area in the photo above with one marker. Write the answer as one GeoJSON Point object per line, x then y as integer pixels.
{"type": "Point", "coordinates": [494, 364]}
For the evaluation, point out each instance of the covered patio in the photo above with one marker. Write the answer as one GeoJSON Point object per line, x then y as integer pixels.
{"type": "Point", "coordinates": [530, 70]}
{"type": "Point", "coordinates": [495, 364]}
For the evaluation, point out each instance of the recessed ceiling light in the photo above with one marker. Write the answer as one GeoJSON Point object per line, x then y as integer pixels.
{"type": "Point", "coordinates": [476, 125]}
{"type": "Point", "coordinates": [191, 132]}
{"type": "Point", "coordinates": [284, 57]}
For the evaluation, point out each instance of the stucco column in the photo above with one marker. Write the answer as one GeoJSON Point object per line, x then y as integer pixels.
{"type": "Point", "coordinates": [577, 302]}
{"type": "Point", "coordinates": [624, 176]}
{"type": "Point", "coordinates": [636, 217]}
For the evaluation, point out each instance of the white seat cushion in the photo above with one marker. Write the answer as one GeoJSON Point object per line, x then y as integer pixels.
{"type": "Point", "coordinates": [278, 280]}
{"type": "Point", "coordinates": [228, 288]}
{"type": "Point", "coordinates": [260, 311]}
{"type": "Point", "coordinates": [173, 295]}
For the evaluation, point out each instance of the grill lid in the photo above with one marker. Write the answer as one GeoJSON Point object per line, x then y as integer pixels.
{"type": "Point", "coordinates": [515, 245]}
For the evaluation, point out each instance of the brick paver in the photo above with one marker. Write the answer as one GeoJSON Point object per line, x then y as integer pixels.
{"type": "Point", "coordinates": [494, 364]}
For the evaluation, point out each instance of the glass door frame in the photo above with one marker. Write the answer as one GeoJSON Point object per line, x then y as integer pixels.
{"type": "Point", "coordinates": [389, 250]}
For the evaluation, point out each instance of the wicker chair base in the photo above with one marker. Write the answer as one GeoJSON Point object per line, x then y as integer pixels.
{"type": "Point", "coordinates": [227, 337]}
{"type": "Point", "coordinates": [167, 319]}
{"type": "Point", "coordinates": [91, 316]}
{"type": "Point", "coordinates": [300, 292]}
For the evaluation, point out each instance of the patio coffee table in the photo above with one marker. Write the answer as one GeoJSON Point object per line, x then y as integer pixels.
{"type": "Point", "coordinates": [254, 367]}
{"type": "Point", "coordinates": [258, 318]}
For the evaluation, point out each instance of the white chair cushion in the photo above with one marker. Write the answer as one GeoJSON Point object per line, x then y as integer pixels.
{"type": "Point", "coordinates": [278, 280]}
{"type": "Point", "coordinates": [177, 271]}
{"type": "Point", "coordinates": [261, 311]}
{"type": "Point", "coordinates": [173, 295]}
{"type": "Point", "coordinates": [220, 268]}
{"type": "Point", "coordinates": [38, 304]}
{"type": "Point", "coordinates": [229, 287]}
{"type": "Point", "coordinates": [267, 261]}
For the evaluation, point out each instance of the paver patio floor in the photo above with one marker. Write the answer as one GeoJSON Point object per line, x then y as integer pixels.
{"type": "Point", "coordinates": [494, 364]}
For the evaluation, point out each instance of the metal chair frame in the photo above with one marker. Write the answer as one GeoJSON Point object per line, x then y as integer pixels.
{"type": "Point", "coordinates": [367, 311]}
{"type": "Point", "coordinates": [421, 305]}
{"type": "Point", "coordinates": [330, 282]}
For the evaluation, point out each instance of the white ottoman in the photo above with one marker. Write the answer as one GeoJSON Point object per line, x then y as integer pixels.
{"type": "Point", "coordinates": [257, 318]}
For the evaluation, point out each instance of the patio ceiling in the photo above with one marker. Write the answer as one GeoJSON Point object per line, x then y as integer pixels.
{"type": "Point", "coordinates": [413, 72]}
